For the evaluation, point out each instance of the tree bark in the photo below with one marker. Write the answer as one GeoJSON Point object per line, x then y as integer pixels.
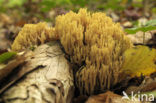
{"type": "Point", "coordinates": [50, 81]}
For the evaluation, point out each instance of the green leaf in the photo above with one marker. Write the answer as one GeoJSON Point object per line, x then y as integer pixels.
{"type": "Point", "coordinates": [47, 5]}
{"type": "Point", "coordinates": [151, 23]}
{"type": "Point", "coordinates": [6, 56]}
{"type": "Point", "coordinates": [147, 28]}
{"type": "Point", "coordinates": [13, 3]}
{"type": "Point", "coordinates": [132, 30]}
{"type": "Point", "coordinates": [143, 29]}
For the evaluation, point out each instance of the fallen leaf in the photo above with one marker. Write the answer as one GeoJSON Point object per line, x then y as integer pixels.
{"type": "Point", "coordinates": [7, 56]}
{"type": "Point", "coordinates": [109, 97]}
{"type": "Point", "coordinates": [139, 60]}
{"type": "Point", "coordinates": [147, 85]}
{"type": "Point", "coordinates": [5, 19]}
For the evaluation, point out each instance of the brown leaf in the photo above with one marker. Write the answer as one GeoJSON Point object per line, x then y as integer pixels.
{"type": "Point", "coordinates": [5, 19]}
{"type": "Point", "coordinates": [147, 85]}
{"type": "Point", "coordinates": [108, 97]}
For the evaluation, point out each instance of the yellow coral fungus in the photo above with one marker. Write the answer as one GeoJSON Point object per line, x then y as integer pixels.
{"type": "Point", "coordinates": [94, 41]}
{"type": "Point", "coordinates": [91, 40]}
{"type": "Point", "coordinates": [32, 34]}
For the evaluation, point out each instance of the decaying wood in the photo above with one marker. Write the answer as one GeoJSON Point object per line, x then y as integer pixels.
{"type": "Point", "coordinates": [50, 81]}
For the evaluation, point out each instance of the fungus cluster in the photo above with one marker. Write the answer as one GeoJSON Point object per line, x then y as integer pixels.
{"type": "Point", "coordinates": [94, 41]}
{"type": "Point", "coordinates": [32, 34]}
{"type": "Point", "coordinates": [91, 40]}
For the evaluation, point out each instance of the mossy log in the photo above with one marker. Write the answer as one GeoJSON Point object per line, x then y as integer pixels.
{"type": "Point", "coordinates": [51, 81]}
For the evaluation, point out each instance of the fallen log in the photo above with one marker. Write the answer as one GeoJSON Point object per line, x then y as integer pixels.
{"type": "Point", "coordinates": [49, 81]}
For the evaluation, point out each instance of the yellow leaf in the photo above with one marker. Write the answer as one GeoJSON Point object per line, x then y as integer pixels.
{"type": "Point", "coordinates": [139, 60]}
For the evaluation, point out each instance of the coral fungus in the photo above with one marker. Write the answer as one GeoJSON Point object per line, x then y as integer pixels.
{"type": "Point", "coordinates": [91, 40]}
{"type": "Point", "coordinates": [32, 34]}
{"type": "Point", "coordinates": [94, 41]}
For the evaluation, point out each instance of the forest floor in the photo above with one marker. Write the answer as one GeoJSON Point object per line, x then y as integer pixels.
{"type": "Point", "coordinates": [13, 20]}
